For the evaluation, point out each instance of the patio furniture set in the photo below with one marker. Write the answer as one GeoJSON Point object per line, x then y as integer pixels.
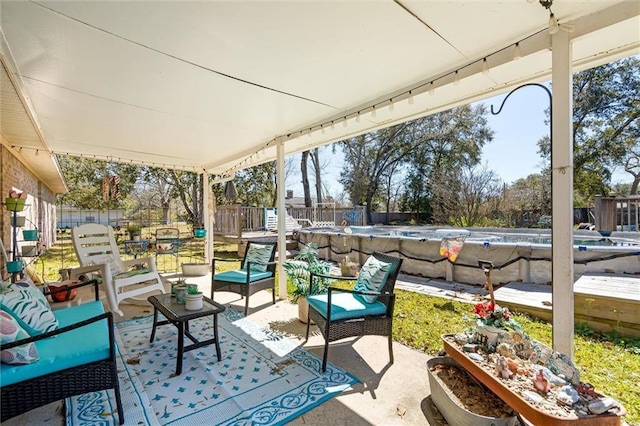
{"type": "Point", "coordinates": [82, 357]}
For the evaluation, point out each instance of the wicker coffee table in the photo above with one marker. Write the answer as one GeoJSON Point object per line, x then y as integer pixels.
{"type": "Point", "coordinates": [177, 315]}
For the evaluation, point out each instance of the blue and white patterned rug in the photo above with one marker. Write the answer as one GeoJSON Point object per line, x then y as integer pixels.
{"type": "Point", "coordinates": [262, 379]}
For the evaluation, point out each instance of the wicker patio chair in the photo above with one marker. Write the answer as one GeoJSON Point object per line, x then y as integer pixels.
{"type": "Point", "coordinates": [20, 397]}
{"type": "Point", "coordinates": [257, 272]}
{"type": "Point", "coordinates": [340, 314]}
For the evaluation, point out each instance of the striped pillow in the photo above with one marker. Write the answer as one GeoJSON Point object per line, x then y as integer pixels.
{"type": "Point", "coordinates": [372, 277]}
{"type": "Point", "coordinates": [259, 255]}
{"type": "Point", "coordinates": [29, 307]}
{"type": "Point", "coordinates": [10, 331]}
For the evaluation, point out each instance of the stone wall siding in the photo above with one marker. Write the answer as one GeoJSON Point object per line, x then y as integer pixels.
{"type": "Point", "coordinates": [40, 212]}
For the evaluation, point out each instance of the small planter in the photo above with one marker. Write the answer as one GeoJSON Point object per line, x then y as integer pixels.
{"type": "Point", "coordinates": [18, 221]}
{"type": "Point", "coordinates": [29, 251]}
{"type": "Point", "coordinates": [303, 310]}
{"type": "Point", "coordinates": [199, 232]}
{"type": "Point", "coordinates": [195, 269]}
{"type": "Point", "coordinates": [15, 266]}
{"type": "Point", "coordinates": [30, 234]}
{"type": "Point", "coordinates": [14, 204]}
{"type": "Point", "coordinates": [193, 302]}
{"type": "Point", "coordinates": [350, 269]}
{"type": "Point", "coordinates": [452, 411]}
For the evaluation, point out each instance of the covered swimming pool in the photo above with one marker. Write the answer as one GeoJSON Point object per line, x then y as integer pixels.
{"type": "Point", "coordinates": [516, 254]}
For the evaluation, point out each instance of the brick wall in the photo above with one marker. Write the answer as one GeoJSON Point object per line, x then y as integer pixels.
{"type": "Point", "coordinates": [40, 212]}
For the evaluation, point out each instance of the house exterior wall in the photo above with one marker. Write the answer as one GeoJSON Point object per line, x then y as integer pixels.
{"type": "Point", "coordinates": [40, 212]}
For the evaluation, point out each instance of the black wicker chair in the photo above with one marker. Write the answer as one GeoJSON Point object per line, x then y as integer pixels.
{"type": "Point", "coordinates": [246, 282]}
{"type": "Point", "coordinates": [99, 375]}
{"type": "Point", "coordinates": [381, 324]}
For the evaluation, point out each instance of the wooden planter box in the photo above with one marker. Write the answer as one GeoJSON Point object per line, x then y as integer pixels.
{"type": "Point", "coordinates": [517, 402]}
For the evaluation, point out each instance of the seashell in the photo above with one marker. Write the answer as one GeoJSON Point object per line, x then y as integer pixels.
{"type": "Point", "coordinates": [599, 406]}
{"type": "Point", "coordinates": [513, 365]}
{"type": "Point", "coordinates": [567, 395]}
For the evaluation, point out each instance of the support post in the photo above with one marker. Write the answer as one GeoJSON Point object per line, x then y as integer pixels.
{"type": "Point", "coordinates": [562, 194]}
{"type": "Point", "coordinates": [282, 221]}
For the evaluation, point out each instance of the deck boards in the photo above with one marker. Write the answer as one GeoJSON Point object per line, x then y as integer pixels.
{"type": "Point", "coordinates": [605, 302]}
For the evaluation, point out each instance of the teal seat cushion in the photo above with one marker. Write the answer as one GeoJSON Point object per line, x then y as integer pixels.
{"type": "Point", "coordinates": [76, 347]}
{"type": "Point", "coordinates": [345, 306]}
{"type": "Point", "coordinates": [239, 276]}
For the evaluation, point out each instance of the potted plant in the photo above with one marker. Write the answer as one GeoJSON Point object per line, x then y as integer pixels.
{"type": "Point", "coordinates": [349, 268]}
{"type": "Point", "coordinates": [134, 231]}
{"type": "Point", "coordinates": [193, 299]}
{"type": "Point", "coordinates": [298, 271]}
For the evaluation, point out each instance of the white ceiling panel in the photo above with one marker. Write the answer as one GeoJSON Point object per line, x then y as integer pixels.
{"type": "Point", "coordinates": [212, 85]}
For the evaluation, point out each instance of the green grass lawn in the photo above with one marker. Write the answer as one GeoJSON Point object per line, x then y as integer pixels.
{"type": "Point", "coordinates": [609, 362]}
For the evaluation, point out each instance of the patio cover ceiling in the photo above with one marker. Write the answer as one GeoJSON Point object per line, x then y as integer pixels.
{"type": "Point", "coordinates": [214, 86]}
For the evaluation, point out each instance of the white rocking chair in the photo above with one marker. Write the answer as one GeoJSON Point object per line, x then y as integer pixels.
{"type": "Point", "coordinates": [97, 251]}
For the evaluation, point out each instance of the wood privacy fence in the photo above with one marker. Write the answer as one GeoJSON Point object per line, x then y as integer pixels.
{"type": "Point", "coordinates": [236, 219]}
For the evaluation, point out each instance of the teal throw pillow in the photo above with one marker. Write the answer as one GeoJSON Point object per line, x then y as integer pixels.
{"type": "Point", "coordinates": [372, 277]}
{"type": "Point", "coordinates": [259, 255]}
{"type": "Point", "coordinates": [29, 307]}
{"type": "Point", "coordinates": [10, 331]}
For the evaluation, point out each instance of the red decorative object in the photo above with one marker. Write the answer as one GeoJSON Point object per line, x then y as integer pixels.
{"type": "Point", "coordinates": [63, 296]}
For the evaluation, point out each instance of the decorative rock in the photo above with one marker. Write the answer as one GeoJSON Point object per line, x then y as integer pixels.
{"type": "Point", "coordinates": [567, 395]}
{"type": "Point", "coordinates": [561, 364]}
{"type": "Point", "coordinates": [462, 338]}
{"type": "Point", "coordinates": [505, 350]}
{"type": "Point", "coordinates": [599, 406]}
{"type": "Point", "coordinates": [532, 396]}
{"type": "Point", "coordinates": [470, 347]}
{"type": "Point", "coordinates": [556, 380]}
{"type": "Point", "coordinates": [475, 357]}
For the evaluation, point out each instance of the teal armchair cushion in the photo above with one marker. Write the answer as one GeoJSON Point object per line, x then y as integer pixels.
{"type": "Point", "coordinates": [240, 276]}
{"type": "Point", "coordinates": [345, 305]}
{"type": "Point", "coordinates": [76, 347]}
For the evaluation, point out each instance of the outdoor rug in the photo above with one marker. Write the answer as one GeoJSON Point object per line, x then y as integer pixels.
{"type": "Point", "coordinates": [262, 379]}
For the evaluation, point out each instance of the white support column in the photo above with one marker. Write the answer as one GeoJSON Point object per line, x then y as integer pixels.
{"type": "Point", "coordinates": [206, 217]}
{"type": "Point", "coordinates": [282, 221]}
{"type": "Point", "coordinates": [562, 194]}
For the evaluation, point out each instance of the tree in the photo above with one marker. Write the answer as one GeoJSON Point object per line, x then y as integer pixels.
{"type": "Point", "coordinates": [465, 197]}
{"type": "Point", "coordinates": [443, 144]}
{"type": "Point", "coordinates": [606, 125]}
{"type": "Point", "coordinates": [257, 186]}
{"type": "Point", "coordinates": [161, 185]}
{"type": "Point", "coordinates": [86, 178]}
{"type": "Point", "coordinates": [367, 158]}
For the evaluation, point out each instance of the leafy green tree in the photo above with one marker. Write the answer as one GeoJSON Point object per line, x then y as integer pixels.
{"type": "Point", "coordinates": [85, 178]}
{"type": "Point", "coordinates": [257, 186]}
{"type": "Point", "coordinates": [606, 125]}
{"type": "Point", "coordinates": [443, 145]}
{"type": "Point", "coordinates": [368, 158]}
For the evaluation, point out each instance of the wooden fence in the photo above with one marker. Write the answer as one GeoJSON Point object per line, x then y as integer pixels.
{"type": "Point", "coordinates": [234, 219]}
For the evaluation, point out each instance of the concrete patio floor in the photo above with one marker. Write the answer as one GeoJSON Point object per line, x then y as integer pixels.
{"type": "Point", "coordinates": [388, 394]}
